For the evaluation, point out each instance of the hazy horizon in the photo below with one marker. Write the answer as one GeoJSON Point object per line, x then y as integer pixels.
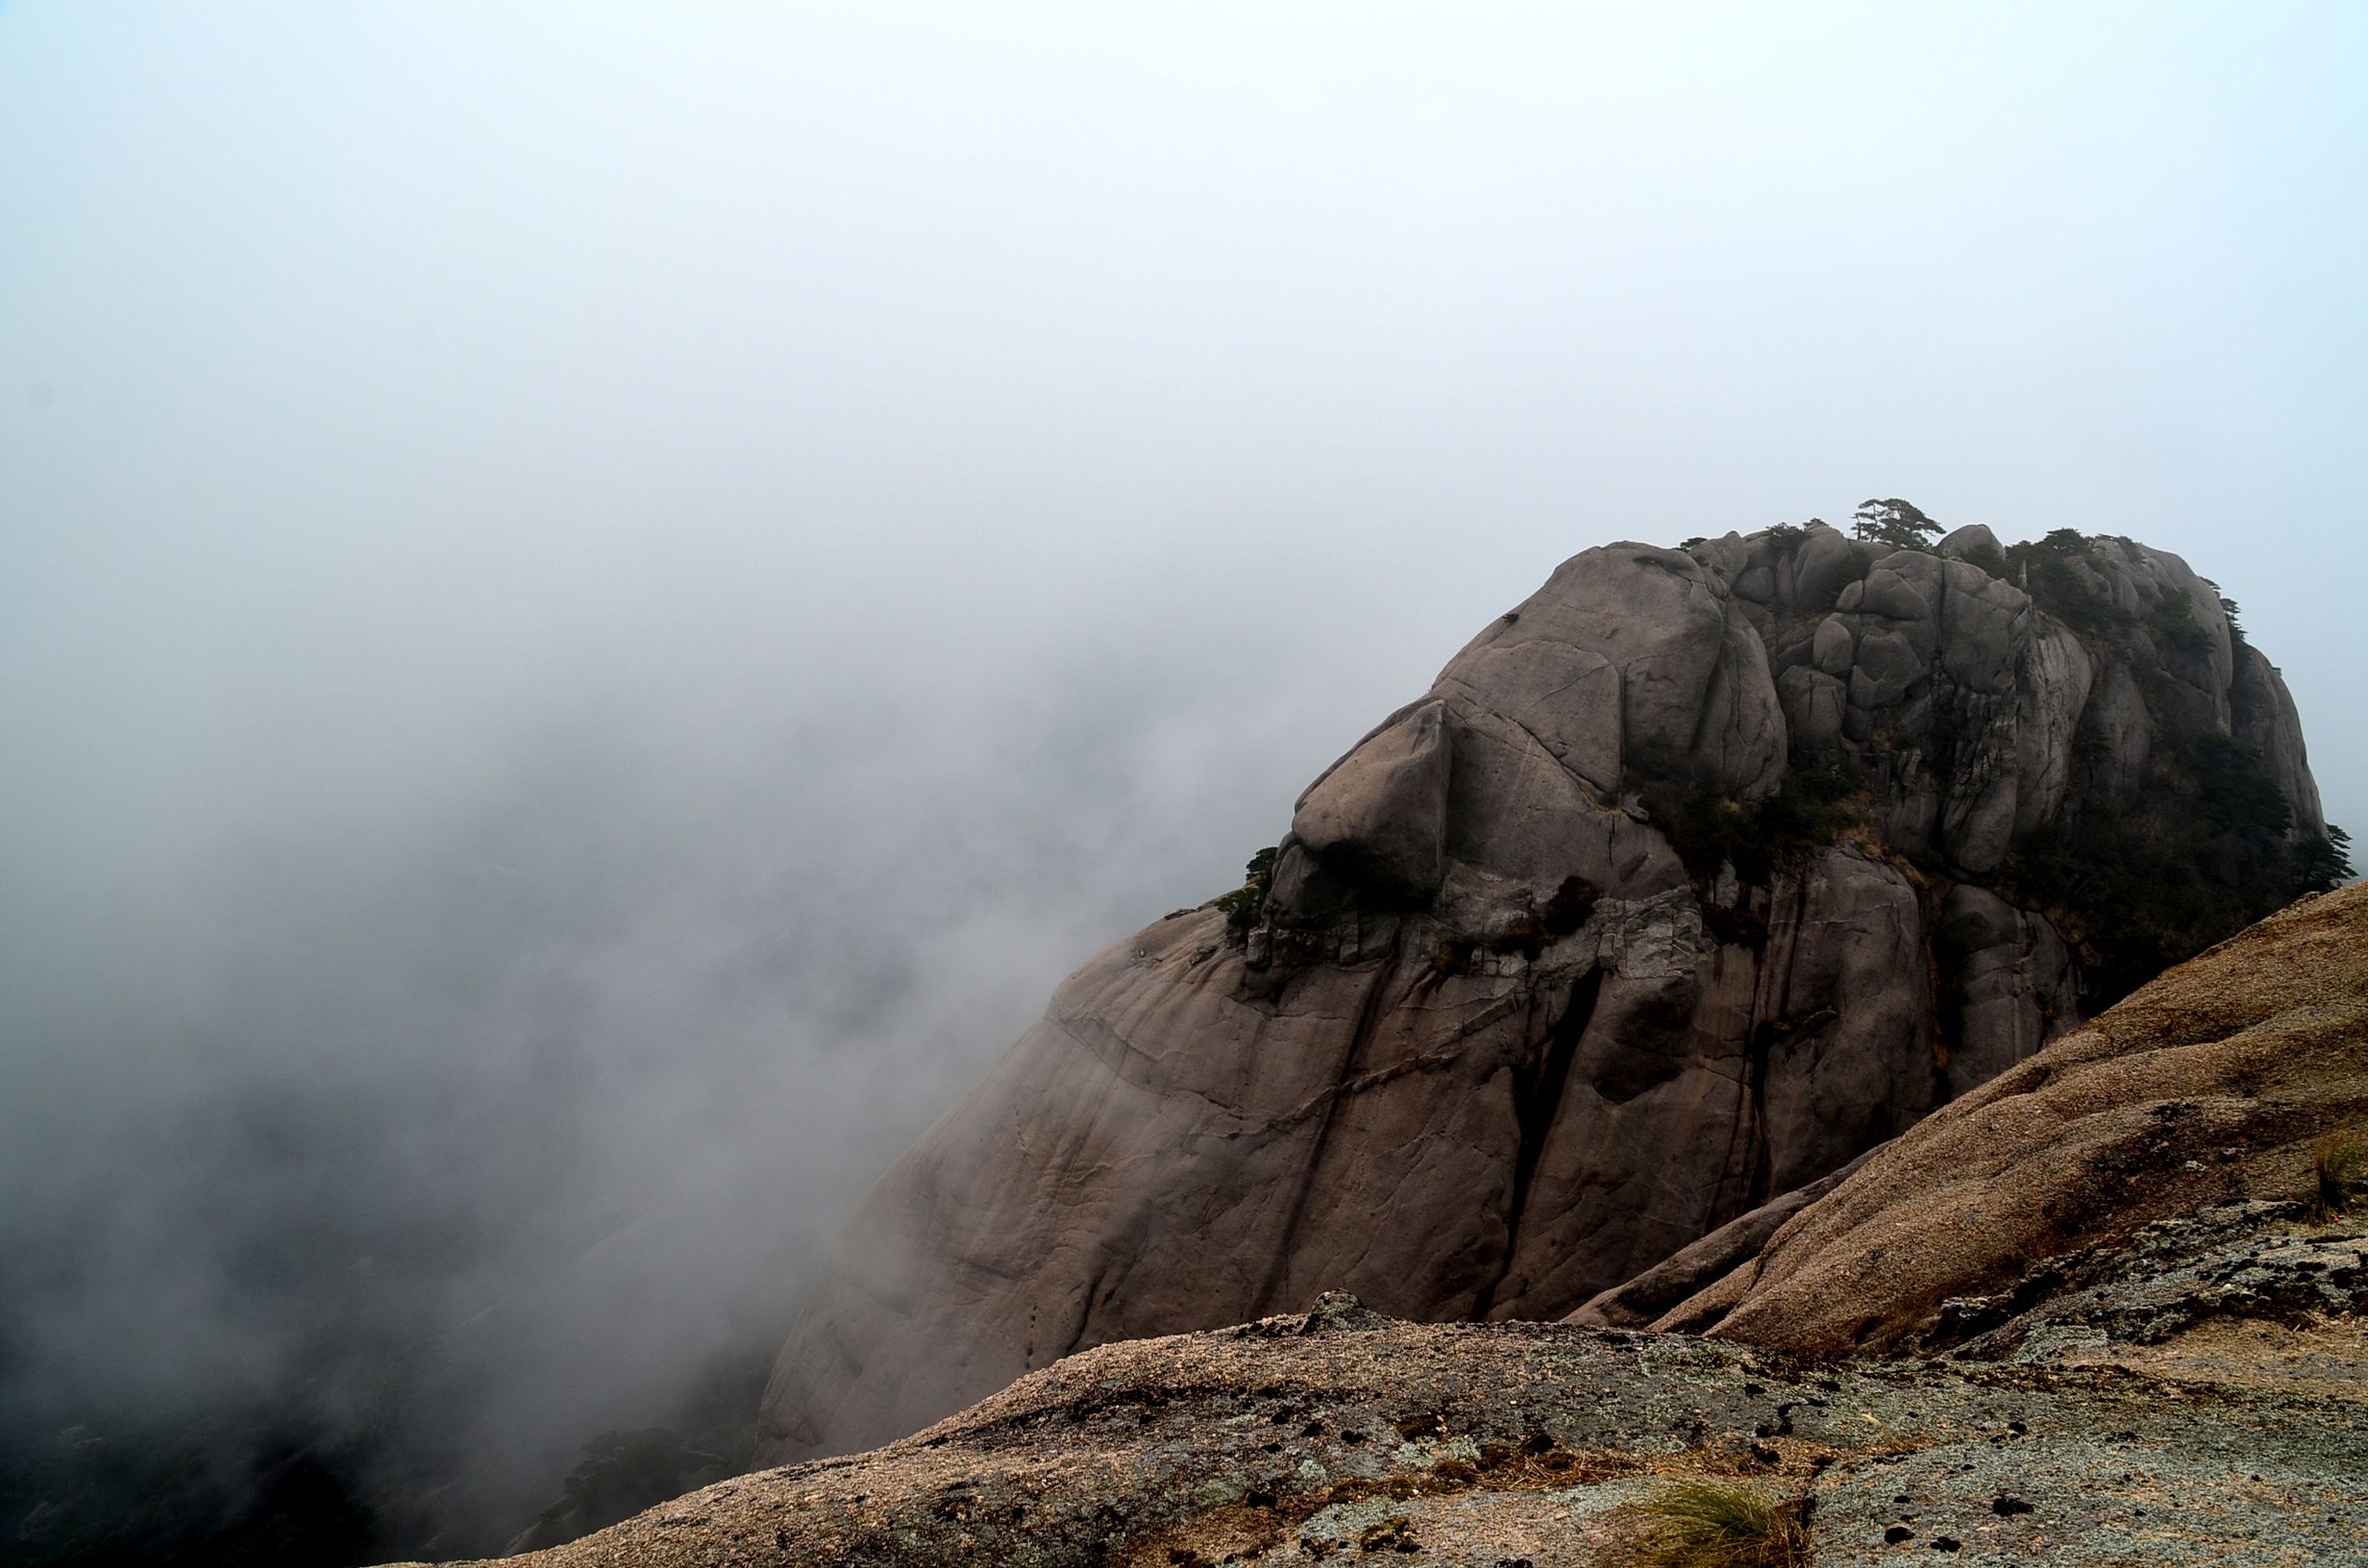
{"type": "Point", "coordinates": [597, 602]}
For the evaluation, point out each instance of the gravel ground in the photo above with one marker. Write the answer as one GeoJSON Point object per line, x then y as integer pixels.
{"type": "Point", "coordinates": [1342, 1434]}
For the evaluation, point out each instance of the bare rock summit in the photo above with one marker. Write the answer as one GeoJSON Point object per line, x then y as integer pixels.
{"type": "Point", "coordinates": [1693, 877]}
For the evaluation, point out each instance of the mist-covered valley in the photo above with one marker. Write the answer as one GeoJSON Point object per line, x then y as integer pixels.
{"type": "Point", "coordinates": [594, 607]}
{"type": "Point", "coordinates": [432, 1140]}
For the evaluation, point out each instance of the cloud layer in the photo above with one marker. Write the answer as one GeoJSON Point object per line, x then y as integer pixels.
{"type": "Point", "coordinates": [593, 607]}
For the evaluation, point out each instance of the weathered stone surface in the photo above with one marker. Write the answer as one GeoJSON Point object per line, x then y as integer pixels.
{"type": "Point", "coordinates": [1835, 647]}
{"type": "Point", "coordinates": [1568, 700]}
{"type": "Point", "coordinates": [2125, 730]}
{"type": "Point", "coordinates": [2264, 714]}
{"type": "Point", "coordinates": [2055, 682]}
{"type": "Point", "coordinates": [1985, 786]}
{"type": "Point", "coordinates": [1739, 747]}
{"type": "Point", "coordinates": [1887, 594]}
{"type": "Point", "coordinates": [1521, 821]}
{"type": "Point", "coordinates": [2012, 984]}
{"type": "Point", "coordinates": [1380, 815]}
{"type": "Point", "coordinates": [1983, 623]}
{"type": "Point", "coordinates": [1506, 1029]}
{"type": "Point", "coordinates": [1848, 987]}
{"type": "Point", "coordinates": [1814, 576]}
{"type": "Point", "coordinates": [2167, 580]}
{"type": "Point", "coordinates": [2156, 1416]}
{"type": "Point", "coordinates": [2168, 1298]}
{"type": "Point", "coordinates": [1971, 540]}
{"type": "Point", "coordinates": [1814, 704]}
{"type": "Point", "coordinates": [2215, 1081]}
{"type": "Point", "coordinates": [1698, 1264]}
{"type": "Point", "coordinates": [1630, 661]}
{"type": "Point", "coordinates": [1885, 666]}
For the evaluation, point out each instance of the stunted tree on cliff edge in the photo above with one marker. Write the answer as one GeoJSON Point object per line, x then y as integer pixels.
{"type": "Point", "coordinates": [1899, 523]}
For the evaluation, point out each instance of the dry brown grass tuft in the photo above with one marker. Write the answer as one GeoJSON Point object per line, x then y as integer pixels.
{"type": "Point", "coordinates": [1718, 1524]}
{"type": "Point", "coordinates": [2340, 1163]}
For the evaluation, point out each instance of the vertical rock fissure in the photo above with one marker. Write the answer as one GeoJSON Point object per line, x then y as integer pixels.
{"type": "Point", "coordinates": [1943, 993]}
{"type": "Point", "coordinates": [1761, 1173]}
{"type": "Point", "coordinates": [1788, 905]}
{"type": "Point", "coordinates": [1534, 1104]}
{"type": "Point", "coordinates": [1369, 1010]}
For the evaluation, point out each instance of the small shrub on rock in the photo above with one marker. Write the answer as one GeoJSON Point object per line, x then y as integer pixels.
{"type": "Point", "coordinates": [1808, 811]}
{"type": "Point", "coordinates": [1245, 903]}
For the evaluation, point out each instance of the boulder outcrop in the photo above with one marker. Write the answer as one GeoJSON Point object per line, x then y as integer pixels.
{"type": "Point", "coordinates": [1692, 877]}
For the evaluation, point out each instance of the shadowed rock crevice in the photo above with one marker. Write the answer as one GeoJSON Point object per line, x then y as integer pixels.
{"type": "Point", "coordinates": [1537, 1095]}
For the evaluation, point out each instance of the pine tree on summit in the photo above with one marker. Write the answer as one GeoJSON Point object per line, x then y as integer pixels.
{"type": "Point", "coordinates": [1899, 523]}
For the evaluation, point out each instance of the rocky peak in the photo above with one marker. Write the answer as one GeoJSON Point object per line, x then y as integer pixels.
{"type": "Point", "coordinates": [1692, 877]}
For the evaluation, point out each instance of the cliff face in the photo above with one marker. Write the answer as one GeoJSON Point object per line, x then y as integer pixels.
{"type": "Point", "coordinates": [1692, 878]}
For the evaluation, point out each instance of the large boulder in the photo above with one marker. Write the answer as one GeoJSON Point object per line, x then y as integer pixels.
{"type": "Point", "coordinates": [1690, 879]}
{"type": "Point", "coordinates": [1379, 815]}
{"type": "Point", "coordinates": [1631, 662]}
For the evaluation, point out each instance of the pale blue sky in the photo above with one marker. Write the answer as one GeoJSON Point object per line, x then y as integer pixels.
{"type": "Point", "coordinates": [669, 539]}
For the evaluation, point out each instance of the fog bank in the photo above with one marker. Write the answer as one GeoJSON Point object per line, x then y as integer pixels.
{"type": "Point", "coordinates": [595, 605]}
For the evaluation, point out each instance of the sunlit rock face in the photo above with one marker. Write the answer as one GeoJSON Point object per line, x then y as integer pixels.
{"type": "Point", "coordinates": [1692, 878]}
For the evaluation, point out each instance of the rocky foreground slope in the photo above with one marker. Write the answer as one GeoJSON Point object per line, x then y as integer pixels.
{"type": "Point", "coordinates": [2139, 1344]}
{"type": "Point", "coordinates": [1692, 878]}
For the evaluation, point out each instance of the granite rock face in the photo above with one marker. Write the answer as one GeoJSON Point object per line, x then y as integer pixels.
{"type": "Point", "coordinates": [1693, 877]}
{"type": "Point", "coordinates": [2215, 1084]}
